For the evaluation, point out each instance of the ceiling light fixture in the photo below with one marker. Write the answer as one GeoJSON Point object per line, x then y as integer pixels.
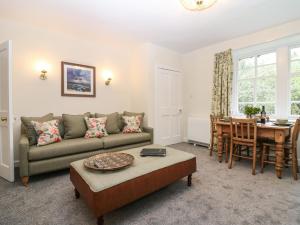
{"type": "Point", "coordinates": [197, 5]}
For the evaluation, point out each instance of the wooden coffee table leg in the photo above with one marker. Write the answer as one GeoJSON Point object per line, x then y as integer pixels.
{"type": "Point", "coordinates": [77, 194]}
{"type": "Point", "coordinates": [189, 181]}
{"type": "Point", "coordinates": [100, 220]}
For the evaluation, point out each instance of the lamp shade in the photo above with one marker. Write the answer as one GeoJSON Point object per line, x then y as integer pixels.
{"type": "Point", "coordinates": [196, 5]}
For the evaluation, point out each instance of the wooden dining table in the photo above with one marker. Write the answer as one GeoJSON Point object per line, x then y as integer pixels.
{"type": "Point", "coordinates": [270, 131]}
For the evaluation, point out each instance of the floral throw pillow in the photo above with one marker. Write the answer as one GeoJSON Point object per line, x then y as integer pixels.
{"type": "Point", "coordinates": [132, 124]}
{"type": "Point", "coordinates": [48, 132]}
{"type": "Point", "coordinates": [96, 127]}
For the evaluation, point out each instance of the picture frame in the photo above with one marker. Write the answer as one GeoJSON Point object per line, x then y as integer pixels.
{"type": "Point", "coordinates": [78, 80]}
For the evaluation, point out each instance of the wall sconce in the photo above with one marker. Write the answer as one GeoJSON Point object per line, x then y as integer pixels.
{"type": "Point", "coordinates": [43, 68]}
{"type": "Point", "coordinates": [107, 82]}
{"type": "Point", "coordinates": [43, 75]}
{"type": "Point", "coordinates": [107, 75]}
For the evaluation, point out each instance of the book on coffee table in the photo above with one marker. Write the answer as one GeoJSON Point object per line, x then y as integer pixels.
{"type": "Point", "coordinates": [153, 152]}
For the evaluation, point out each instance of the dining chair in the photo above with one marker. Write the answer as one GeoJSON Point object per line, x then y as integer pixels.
{"type": "Point", "coordinates": [290, 152]}
{"type": "Point", "coordinates": [243, 135]}
{"type": "Point", "coordinates": [213, 132]}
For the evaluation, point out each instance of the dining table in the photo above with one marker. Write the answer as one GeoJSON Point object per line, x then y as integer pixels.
{"type": "Point", "coordinates": [268, 131]}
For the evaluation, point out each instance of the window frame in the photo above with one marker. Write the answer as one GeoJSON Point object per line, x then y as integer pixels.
{"type": "Point", "coordinates": [236, 58]}
{"type": "Point", "coordinates": [282, 48]}
{"type": "Point", "coordinates": [290, 47]}
{"type": "Point", "coordinates": [255, 78]}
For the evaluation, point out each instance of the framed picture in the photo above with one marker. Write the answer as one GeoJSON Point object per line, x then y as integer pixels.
{"type": "Point", "coordinates": [78, 80]}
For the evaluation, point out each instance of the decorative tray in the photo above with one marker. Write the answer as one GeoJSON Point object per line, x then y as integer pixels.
{"type": "Point", "coordinates": [109, 161]}
{"type": "Point", "coordinates": [283, 124]}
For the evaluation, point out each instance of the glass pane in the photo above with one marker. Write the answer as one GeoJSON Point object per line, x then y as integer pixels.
{"type": "Point", "coordinates": [246, 63]}
{"type": "Point", "coordinates": [269, 107]}
{"type": "Point", "coordinates": [295, 53]}
{"type": "Point", "coordinates": [295, 109]}
{"type": "Point", "coordinates": [269, 70]}
{"type": "Point", "coordinates": [295, 88]}
{"type": "Point", "coordinates": [295, 67]}
{"type": "Point", "coordinates": [266, 59]}
{"type": "Point", "coordinates": [246, 73]}
{"type": "Point", "coordinates": [246, 91]}
{"type": "Point", "coordinates": [265, 89]}
{"type": "Point", "coordinates": [242, 107]}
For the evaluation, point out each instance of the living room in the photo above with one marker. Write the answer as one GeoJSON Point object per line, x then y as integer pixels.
{"type": "Point", "coordinates": [176, 76]}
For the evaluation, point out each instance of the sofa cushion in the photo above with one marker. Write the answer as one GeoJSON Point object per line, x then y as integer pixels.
{"type": "Point", "coordinates": [48, 132]}
{"type": "Point", "coordinates": [96, 127]}
{"type": "Point", "coordinates": [29, 129]}
{"type": "Point", "coordinates": [66, 147]}
{"type": "Point", "coordinates": [115, 140]}
{"type": "Point", "coordinates": [112, 123]}
{"type": "Point", "coordinates": [60, 125]}
{"type": "Point", "coordinates": [134, 114]}
{"type": "Point", "coordinates": [75, 126]}
{"type": "Point", "coordinates": [132, 124]}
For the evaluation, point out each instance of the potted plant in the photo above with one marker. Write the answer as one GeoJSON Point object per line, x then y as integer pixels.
{"type": "Point", "coordinates": [250, 111]}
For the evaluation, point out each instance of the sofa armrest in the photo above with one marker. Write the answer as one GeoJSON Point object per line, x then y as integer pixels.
{"type": "Point", "coordinates": [23, 150]}
{"type": "Point", "coordinates": [150, 131]}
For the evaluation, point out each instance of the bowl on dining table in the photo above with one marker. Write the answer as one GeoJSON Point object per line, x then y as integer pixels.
{"type": "Point", "coordinates": [282, 121]}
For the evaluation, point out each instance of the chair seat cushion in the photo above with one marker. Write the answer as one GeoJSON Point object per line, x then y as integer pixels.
{"type": "Point", "coordinates": [66, 147]}
{"type": "Point", "coordinates": [115, 140]}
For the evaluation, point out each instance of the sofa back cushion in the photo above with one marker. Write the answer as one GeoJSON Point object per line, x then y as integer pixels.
{"type": "Point", "coordinates": [112, 123]}
{"type": "Point", "coordinates": [74, 125]}
{"type": "Point", "coordinates": [29, 129]}
{"type": "Point", "coordinates": [60, 125]}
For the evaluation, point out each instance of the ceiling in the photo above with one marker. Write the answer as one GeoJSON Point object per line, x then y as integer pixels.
{"type": "Point", "coordinates": [162, 22]}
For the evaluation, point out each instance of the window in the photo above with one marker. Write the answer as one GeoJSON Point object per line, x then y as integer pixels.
{"type": "Point", "coordinates": [268, 74]}
{"type": "Point", "coordinates": [295, 81]}
{"type": "Point", "coordinates": [256, 82]}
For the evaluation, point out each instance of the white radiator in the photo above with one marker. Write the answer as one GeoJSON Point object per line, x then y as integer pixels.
{"type": "Point", "coordinates": [198, 131]}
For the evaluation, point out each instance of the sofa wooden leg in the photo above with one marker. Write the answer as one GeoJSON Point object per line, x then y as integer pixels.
{"type": "Point", "coordinates": [25, 180]}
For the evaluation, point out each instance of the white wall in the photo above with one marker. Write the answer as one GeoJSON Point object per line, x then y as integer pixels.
{"type": "Point", "coordinates": [147, 57]}
{"type": "Point", "coordinates": [34, 97]}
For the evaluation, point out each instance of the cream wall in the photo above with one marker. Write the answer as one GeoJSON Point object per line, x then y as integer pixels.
{"type": "Point", "coordinates": [34, 97]}
{"type": "Point", "coordinates": [198, 66]}
{"type": "Point", "coordinates": [146, 58]}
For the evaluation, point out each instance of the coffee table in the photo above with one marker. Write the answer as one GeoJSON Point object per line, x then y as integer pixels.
{"type": "Point", "coordinates": [104, 192]}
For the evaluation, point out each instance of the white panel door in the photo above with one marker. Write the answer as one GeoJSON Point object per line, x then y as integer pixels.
{"type": "Point", "coordinates": [6, 116]}
{"type": "Point", "coordinates": [168, 106]}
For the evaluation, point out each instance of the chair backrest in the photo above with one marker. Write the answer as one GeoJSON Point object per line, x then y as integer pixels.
{"type": "Point", "coordinates": [213, 120]}
{"type": "Point", "coordinates": [243, 131]}
{"type": "Point", "coordinates": [295, 132]}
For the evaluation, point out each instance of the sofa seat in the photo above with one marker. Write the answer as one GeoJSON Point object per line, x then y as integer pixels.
{"type": "Point", "coordinates": [65, 147]}
{"type": "Point", "coordinates": [115, 140]}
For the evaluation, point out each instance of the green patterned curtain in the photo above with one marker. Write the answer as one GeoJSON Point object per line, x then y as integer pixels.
{"type": "Point", "coordinates": [222, 86]}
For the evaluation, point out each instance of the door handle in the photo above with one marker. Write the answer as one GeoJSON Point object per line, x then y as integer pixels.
{"type": "Point", "coordinates": [3, 119]}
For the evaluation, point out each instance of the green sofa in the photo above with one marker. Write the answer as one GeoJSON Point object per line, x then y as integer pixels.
{"type": "Point", "coordinates": [36, 160]}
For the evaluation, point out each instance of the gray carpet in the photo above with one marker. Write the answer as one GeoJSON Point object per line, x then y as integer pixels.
{"type": "Point", "coordinates": [218, 196]}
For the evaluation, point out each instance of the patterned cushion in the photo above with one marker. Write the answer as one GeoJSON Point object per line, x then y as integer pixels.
{"type": "Point", "coordinates": [48, 132]}
{"type": "Point", "coordinates": [96, 127]}
{"type": "Point", "coordinates": [29, 129]}
{"type": "Point", "coordinates": [141, 114]}
{"type": "Point", "coordinates": [132, 124]}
